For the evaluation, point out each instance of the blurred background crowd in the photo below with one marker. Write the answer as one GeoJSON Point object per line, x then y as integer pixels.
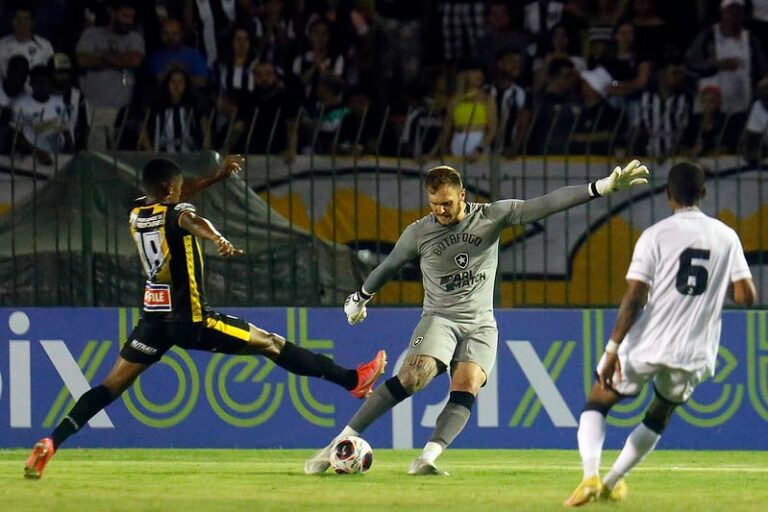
{"type": "Point", "coordinates": [421, 79]}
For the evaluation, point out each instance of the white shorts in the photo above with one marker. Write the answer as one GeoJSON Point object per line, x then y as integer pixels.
{"type": "Point", "coordinates": [672, 384]}
{"type": "Point", "coordinates": [465, 142]}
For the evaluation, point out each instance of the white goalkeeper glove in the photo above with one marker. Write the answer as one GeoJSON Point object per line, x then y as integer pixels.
{"type": "Point", "coordinates": [354, 307]}
{"type": "Point", "coordinates": [634, 173]}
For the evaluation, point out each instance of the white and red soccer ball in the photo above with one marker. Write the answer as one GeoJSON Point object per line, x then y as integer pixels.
{"type": "Point", "coordinates": [350, 455]}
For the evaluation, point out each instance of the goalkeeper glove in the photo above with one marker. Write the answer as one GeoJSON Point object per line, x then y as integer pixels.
{"type": "Point", "coordinates": [354, 307]}
{"type": "Point", "coordinates": [634, 173]}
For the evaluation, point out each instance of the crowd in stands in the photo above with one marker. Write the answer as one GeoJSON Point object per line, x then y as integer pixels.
{"type": "Point", "coordinates": [410, 78]}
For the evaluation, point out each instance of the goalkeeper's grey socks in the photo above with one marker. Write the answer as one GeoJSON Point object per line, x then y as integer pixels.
{"type": "Point", "coordinates": [301, 361]}
{"type": "Point", "coordinates": [450, 422]}
{"type": "Point", "coordinates": [86, 408]}
{"type": "Point", "coordinates": [378, 403]}
{"type": "Point", "coordinates": [640, 443]}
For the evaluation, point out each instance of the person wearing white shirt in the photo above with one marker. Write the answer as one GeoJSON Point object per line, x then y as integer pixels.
{"type": "Point", "coordinates": [23, 41]}
{"type": "Point", "coordinates": [40, 117]}
{"type": "Point", "coordinates": [756, 138]}
{"type": "Point", "coordinates": [667, 329]}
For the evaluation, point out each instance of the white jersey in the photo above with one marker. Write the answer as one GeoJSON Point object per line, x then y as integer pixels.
{"type": "Point", "coordinates": [688, 260]}
{"type": "Point", "coordinates": [37, 51]}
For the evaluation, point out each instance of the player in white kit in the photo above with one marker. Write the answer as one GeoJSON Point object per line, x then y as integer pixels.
{"type": "Point", "coordinates": [457, 245]}
{"type": "Point", "coordinates": [667, 330]}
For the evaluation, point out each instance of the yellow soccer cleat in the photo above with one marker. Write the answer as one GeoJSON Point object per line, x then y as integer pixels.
{"type": "Point", "coordinates": [588, 490]}
{"type": "Point", "coordinates": [618, 493]}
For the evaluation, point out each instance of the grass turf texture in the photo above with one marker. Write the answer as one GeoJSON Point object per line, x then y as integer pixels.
{"type": "Point", "coordinates": [259, 480]}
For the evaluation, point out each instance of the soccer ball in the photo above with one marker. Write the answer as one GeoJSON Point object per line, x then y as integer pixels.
{"type": "Point", "coordinates": [351, 455]}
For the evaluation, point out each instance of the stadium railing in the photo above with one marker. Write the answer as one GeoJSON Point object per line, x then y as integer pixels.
{"type": "Point", "coordinates": [314, 222]}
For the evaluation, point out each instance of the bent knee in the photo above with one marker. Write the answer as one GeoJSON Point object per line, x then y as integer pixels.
{"type": "Point", "coordinates": [417, 372]}
{"type": "Point", "coordinates": [265, 343]}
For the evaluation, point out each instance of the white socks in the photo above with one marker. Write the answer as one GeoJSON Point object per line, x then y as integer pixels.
{"type": "Point", "coordinates": [640, 443]}
{"type": "Point", "coordinates": [431, 452]}
{"type": "Point", "coordinates": [591, 436]}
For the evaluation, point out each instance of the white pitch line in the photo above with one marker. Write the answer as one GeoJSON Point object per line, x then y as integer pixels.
{"type": "Point", "coordinates": [457, 466]}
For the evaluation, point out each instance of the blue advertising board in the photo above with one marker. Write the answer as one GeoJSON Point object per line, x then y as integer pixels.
{"type": "Point", "coordinates": [532, 399]}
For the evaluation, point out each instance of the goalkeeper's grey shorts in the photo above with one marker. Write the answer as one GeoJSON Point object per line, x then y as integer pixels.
{"type": "Point", "coordinates": [451, 342]}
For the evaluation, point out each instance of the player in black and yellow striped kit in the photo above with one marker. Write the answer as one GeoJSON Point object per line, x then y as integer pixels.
{"type": "Point", "coordinates": [167, 232]}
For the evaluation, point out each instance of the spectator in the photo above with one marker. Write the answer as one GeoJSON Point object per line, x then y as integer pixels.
{"type": "Point", "coordinates": [234, 69]}
{"type": "Point", "coordinates": [317, 60]}
{"type": "Point", "coordinates": [727, 55]}
{"type": "Point", "coordinates": [11, 89]}
{"type": "Point", "coordinates": [470, 121]}
{"type": "Point", "coordinates": [40, 118]}
{"type": "Point", "coordinates": [23, 41]}
{"type": "Point", "coordinates": [554, 115]}
{"type": "Point", "coordinates": [402, 26]}
{"type": "Point", "coordinates": [335, 14]}
{"type": "Point", "coordinates": [756, 140]}
{"type": "Point", "coordinates": [363, 126]}
{"type": "Point", "coordinates": [560, 47]}
{"type": "Point", "coordinates": [178, 121]}
{"type": "Point", "coordinates": [540, 17]}
{"type": "Point", "coordinates": [211, 20]}
{"type": "Point", "coordinates": [596, 125]}
{"type": "Point", "coordinates": [606, 16]}
{"type": "Point", "coordinates": [423, 124]}
{"type": "Point", "coordinates": [367, 54]}
{"type": "Point", "coordinates": [499, 35]}
{"type": "Point", "coordinates": [174, 55]}
{"type": "Point", "coordinates": [652, 34]}
{"type": "Point", "coordinates": [664, 112]}
{"type": "Point", "coordinates": [270, 112]}
{"type": "Point", "coordinates": [758, 23]}
{"type": "Point", "coordinates": [710, 130]}
{"type": "Point", "coordinates": [513, 104]}
{"type": "Point", "coordinates": [599, 49]}
{"type": "Point", "coordinates": [76, 108]}
{"type": "Point", "coordinates": [462, 25]}
{"type": "Point", "coordinates": [626, 67]}
{"type": "Point", "coordinates": [275, 32]}
{"type": "Point", "coordinates": [328, 117]}
{"type": "Point", "coordinates": [109, 57]}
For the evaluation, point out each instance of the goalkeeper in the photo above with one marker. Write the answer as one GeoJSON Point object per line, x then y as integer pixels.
{"type": "Point", "coordinates": [457, 244]}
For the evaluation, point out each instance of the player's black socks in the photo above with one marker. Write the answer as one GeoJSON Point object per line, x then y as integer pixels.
{"type": "Point", "coordinates": [304, 362]}
{"type": "Point", "coordinates": [86, 408]}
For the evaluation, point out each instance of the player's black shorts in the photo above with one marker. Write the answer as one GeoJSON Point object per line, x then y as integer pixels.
{"type": "Point", "coordinates": [151, 338]}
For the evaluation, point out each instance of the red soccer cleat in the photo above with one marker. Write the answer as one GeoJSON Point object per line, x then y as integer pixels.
{"type": "Point", "coordinates": [368, 373]}
{"type": "Point", "coordinates": [41, 454]}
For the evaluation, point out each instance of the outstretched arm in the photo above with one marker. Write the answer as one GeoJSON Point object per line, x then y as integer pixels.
{"type": "Point", "coordinates": [405, 249]}
{"type": "Point", "coordinates": [521, 212]}
{"type": "Point", "coordinates": [231, 164]}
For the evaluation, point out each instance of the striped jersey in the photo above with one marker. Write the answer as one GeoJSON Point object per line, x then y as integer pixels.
{"type": "Point", "coordinates": [688, 260]}
{"type": "Point", "coordinates": [172, 260]}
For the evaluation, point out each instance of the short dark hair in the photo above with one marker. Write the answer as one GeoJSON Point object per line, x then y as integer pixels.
{"type": "Point", "coordinates": [685, 183]}
{"type": "Point", "coordinates": [442, 175]}
{"type": "Point", "coordinates": [159, 173]}
{"type": "Point", "coordinates": [557, 64]}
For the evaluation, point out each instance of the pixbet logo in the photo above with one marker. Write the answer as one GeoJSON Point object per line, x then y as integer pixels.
{"type": "Point", "coordinates": [238, 389]}
{"type": "Point", "coordinates": [20, 374]}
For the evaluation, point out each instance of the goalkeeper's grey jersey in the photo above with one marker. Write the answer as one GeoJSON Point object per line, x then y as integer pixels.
{"type": "Point", "coordinates": [458, 262]}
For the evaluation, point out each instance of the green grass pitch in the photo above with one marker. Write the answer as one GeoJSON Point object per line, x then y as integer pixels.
{"type": "Point", "coordinates": [262, 480]}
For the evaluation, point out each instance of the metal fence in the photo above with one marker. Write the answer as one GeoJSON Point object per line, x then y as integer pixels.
{"type": "Point", "coordinates": [348, 202]}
